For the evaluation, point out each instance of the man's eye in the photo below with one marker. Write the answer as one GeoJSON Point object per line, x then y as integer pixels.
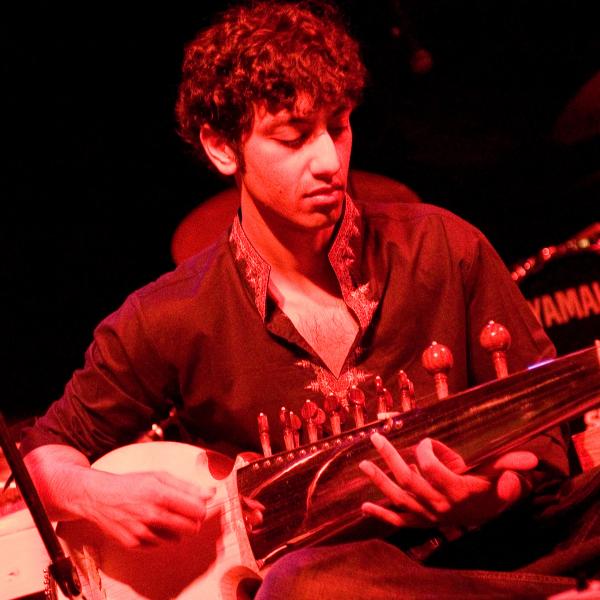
{"type": "Point", "coordinates": [295, 142]}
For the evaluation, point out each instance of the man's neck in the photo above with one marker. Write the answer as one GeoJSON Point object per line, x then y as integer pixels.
{"type": "Point", "coordinates": [304, 285]}
{"type": "Point", "coordinates": [296, 253]}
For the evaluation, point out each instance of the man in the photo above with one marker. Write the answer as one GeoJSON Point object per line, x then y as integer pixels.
{"type": "Point", "coordinates": [305, 297]}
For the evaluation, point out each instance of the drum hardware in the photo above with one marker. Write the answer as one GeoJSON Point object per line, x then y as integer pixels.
{"type": "Point", "coordinates": [587, 240]}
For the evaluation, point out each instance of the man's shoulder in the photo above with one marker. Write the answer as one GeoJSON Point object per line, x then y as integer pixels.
{"type": "Point", "coordinates": [187, 284]}
{"type": "Point", "coordinates": [193, 270]}
{"type": "Point", "coordinates": [407, 217]}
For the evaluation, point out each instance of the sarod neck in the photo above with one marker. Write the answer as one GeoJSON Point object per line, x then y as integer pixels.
{"type": "Point", "coordinates": [316, 491]}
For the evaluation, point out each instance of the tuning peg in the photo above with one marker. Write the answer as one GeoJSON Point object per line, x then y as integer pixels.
{"type": "Point", "coordinates": [356, 401]}
{"type": "Point", "coordinates": [407, 392]}
{"type": "Point", "coordinates": [296, 426]}
{"type": "Point", "coordinates": [320, 421]}
{"type": "Point", "coordinates": [495, 338]}
{"type": "Point", "coordinates": [385, 402]}
{"type": "Point", "coordinates": [263, 433]}
{"type": "Point", "coordinates": [437, 360]}
{"type": "Point", "coordinates": [291, 426]}
{"type": "Point", "coordinates": [336, 413]}
{"type": "Point", "coordinates": [310, 414]}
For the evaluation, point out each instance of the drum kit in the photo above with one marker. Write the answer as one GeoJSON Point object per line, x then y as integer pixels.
{"type": "Point", "coordinates": [562, 286]}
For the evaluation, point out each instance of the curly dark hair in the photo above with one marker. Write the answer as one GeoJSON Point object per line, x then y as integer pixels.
{"type": "Point", "coordinates": [266, 52]}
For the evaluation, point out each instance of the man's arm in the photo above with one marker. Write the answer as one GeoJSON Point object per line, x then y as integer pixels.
{"type": "Point", "coordinates": [135, 509]}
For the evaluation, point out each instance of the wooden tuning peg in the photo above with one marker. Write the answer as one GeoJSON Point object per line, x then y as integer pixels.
{"type": "Point", "coordinates": [291, 426]}
{"type": "Point", "coordinates": [320, 421]}
{"type": "Point", "coordinates": [356, 401]}
{"type": "Point", "coordinates": [437, 360]}
{"type": "Point", "coordinates": [336, 413]}
{"type": "Point", "coordinates": [385, 402]}
{"type": "Point", "coordinates": [407, 392]}
{"type": "Point", "coordinates": [495, 338]}
{"type": "Point", "coordinates": [310, 414]}
{"type": "Point", "coordinates": [296, 427]}
{"type": "Point", "coordinates": [263, 432]}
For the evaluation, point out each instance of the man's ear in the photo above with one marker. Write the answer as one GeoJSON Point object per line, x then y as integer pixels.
{"type": "Point", "coordinates": [218, 150]}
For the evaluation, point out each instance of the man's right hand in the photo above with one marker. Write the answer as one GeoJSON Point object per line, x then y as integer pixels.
{"type": "Point", "coordinates": [135, 509]}
{"type": "Point", "coordinates": [140, 509]}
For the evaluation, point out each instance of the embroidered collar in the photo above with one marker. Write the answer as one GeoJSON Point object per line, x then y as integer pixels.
{"type": "Point", "coordinates": [252, 267]}
{"type": "Point", "coordinates": [344, 257]}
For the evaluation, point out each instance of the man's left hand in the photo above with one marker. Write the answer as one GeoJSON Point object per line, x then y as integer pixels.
{"type": "Point", "coordinates": [433, 492]}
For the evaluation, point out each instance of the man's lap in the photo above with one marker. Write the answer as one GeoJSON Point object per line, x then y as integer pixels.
{"type": "Point", "coordinates": [377, 570]}
{"type": "Point", "coordinates": [515, 557]}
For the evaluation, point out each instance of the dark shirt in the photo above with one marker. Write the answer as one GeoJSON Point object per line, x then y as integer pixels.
{"type": "Point", "coordinates": [208, 338]}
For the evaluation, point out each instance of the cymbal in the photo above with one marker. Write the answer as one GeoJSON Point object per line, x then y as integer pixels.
{"type": "Point", "coordinates": [580, 118]}
{"type": "Point", "coordinates": [201, 227]}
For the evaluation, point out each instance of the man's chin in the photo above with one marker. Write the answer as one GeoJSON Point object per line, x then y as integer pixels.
{"type": "Point", "coordinates": [329, 211]}
{"type": "Point", "coordinates": [314, 223]}
{"type": "Point", "coordinates": [324, 219]}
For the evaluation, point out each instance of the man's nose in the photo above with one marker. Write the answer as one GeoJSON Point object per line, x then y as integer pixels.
{"type": "Point", "coordinates": [326, 161]}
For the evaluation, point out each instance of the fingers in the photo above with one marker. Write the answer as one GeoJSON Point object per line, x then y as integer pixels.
{"type": "Point", "coordinates": [429, 491]}
{"type": "Point", "coordinates": [520, 460]}
{"type": "Point", "coordinates": [140, 534]}
{"type": "Point", "coordinates": [253, 511]}
{"type": "Point", "coordinates": [509, 487]}
{"type": "Point", "coordinates": [150, 529]}
{"type": "Point", "coordinates": [436, 490]}
{"type": "Point", "coordinates": [172, 525]}
{"type": "Point", "coordinates": [398, 519]}
{"type": "Point", "coordinates": [133, 536]}
{"type": "Point", "coordinates": [182, 499]}
{"type": "Point", "coordinates": [204, 493]}
{"type": "Point", "coordinates": [408, 479]}
{"type": "Point", "coordinates": [398, 496]}
{"type": "Point", "coordinates": [448, 457]}
{"type": "Point", "coordinates": [142, 509]}
{"type": "Point", "coordinates": [455, 488]}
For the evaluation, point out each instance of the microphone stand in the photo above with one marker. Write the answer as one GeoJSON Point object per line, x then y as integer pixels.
{"type": "Point", "coordinates": [61, 567]}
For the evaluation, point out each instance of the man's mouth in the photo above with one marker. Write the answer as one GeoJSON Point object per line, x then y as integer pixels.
{"type": "Point", "coordinates": [325, 191]}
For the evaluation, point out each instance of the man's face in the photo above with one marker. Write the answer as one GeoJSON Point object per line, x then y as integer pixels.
{"type": "Point", "coordinates": [296, 166]}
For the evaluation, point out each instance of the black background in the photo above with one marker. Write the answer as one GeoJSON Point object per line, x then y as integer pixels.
{"type": "Point", "coordinates": [97, 179]}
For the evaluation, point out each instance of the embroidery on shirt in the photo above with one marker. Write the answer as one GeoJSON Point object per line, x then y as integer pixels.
{"type": "Point", "coordinates": [254, 268]}
{"type": "Point", "coordinates": [363, 304]}
{"type": "Point", "coordinates": [326, 383]}
{"type": "Point", "coordinates": [343, 257]}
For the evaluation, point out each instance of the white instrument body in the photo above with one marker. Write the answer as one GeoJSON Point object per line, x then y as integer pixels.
{"type": "Point", "coordinates": [210, 564]}
{"type": "Point", "coordinates": [23, 556]}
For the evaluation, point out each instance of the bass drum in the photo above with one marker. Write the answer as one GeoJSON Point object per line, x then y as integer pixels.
{"type": "Point", "coordinates": [562, 286]}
